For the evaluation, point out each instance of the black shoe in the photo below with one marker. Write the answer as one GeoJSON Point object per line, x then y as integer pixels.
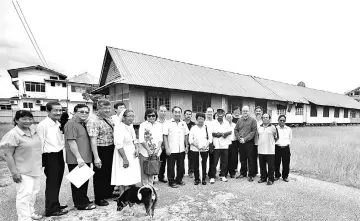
{"type": "Point", "coordinates": [102, 203]}
{"type": "Point", "coordinates": [162, 180]}
{"type": "Point", "coordinates": [285, 179]}
{"type": "Point", "coordinates": [262, 181]}
{"type": "Point", "coordinates": [270, 182]}
{"type": "Point", "coordinates": [250, 179]}
{"type": "Point", "coordinates": [57, 213]}
{"type": "Point", "coordinates": [240, 177]}
{"type": "Point", "coordinates": [232, 176]}
{"type": "Point", "coordinates": [277, 178]}
{"type": "Point", "coordinates": [173, 185]}
{"type": "Point", "coordinates": [204, 182]}
{"type": "Point", "coordinates": [63, 207]}
{"type": "Point", "coordinates": [181, 183]}
{"type": "Point", "coordinates": [196, 182]}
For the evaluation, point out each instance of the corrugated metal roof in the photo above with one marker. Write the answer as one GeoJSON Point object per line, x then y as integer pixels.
{"type": "Point", "coordinates": [147, 70]}
{"type": "Point", "coordinates": [84, 78]}
{"type": "Point", "coordinates": [14, 72]}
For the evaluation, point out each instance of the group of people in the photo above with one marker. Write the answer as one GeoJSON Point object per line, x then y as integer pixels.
{"type": "Point", "coordinates": [111, 144]}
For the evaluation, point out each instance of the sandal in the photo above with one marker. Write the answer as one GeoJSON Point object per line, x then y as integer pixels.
{"type": "Point", "coordinates": [90, 206]}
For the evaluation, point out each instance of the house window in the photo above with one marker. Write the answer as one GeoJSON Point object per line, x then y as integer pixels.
{"type": "Point", "coordinates": [299, 109]}
{"type": "Point", "coordinates": [53, 78]}
{"type": "Point", "coordinates": [5, 107]}
{"type": "Point", "coordinates": [313, 110]}
{"type": "Point", "coordinates": [27, 105]}
{"type": "Point", "coordinates": [353, 114]}
{"type": "Point", "coordinates": [63, 84]}
{"type": "Point", "coordinates": [326, 111]}
{"type": "Point", "coordinates": [281, 109]}
{"type": "Point", "coordinates": [154, 99]}
{"type": "Point", "coordinates": [337, 112]}
{"type": "Point", "coordinates": [345, 113]}
{"type": "Point", "coordinates": [34, 87]}
{"type": "Point", "coordinates": [42, 108]}
{"type": "Point", "coordinates": [52, 84]}
{"type": "Point", "coordinates": [78, 89]}
{"type": "Point", "coordinates": [200, 102]}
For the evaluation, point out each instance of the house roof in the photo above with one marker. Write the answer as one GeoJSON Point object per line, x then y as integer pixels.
{"type": "Point", "coordinates": [14, 72]}
{"type": "Point", "coordinates": [151, 71]}
{"type": "Point", "coordinates": [356, 89]}
{"type": "Point", "coordinates": [84, 78]}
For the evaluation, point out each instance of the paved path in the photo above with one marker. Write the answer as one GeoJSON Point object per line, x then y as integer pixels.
{"type": "Point", "coordinates": [300, 199]}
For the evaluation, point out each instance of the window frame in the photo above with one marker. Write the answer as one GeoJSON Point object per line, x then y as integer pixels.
{"type": "Point", "coordinates": [326, 111]}
{"type": "Point", "coordinates": [31, 86]}
{"type": "Point", "coordinates": [155, 98]}
{"type": "Point", "coordinates": [313, 110]}
{"type": "Point", "coordinates": [200, 102]}
{"type": "Point", "coordinates": [345, 113]}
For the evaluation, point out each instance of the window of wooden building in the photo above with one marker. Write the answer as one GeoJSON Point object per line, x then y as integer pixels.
{"type": "Point", "coordinates": [154, 99]}
{"type": "Point", "coordinates": [200, 102]}
{"type": "Point", "coordinates": [353, 113]}
{"type": "Point", "coordinates": [299, 109]}
{"type": "Point", "coordinates": [281, 109]}
{"type": "Point", "coordinates": [337, 112]}
{"type": "Point", "coordinates": [313, 110]}
{"type": "Point", "coordinates": [345, 113]}
{"type": "Point", "coordinates": [326, 111]}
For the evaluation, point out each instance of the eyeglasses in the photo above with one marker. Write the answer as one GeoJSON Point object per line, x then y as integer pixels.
{"type": "Point", "coordinates": [151, 115]}
{"type": "Point", "coordinates": [282, 120]}
{"type": "Point", "coordinates": [83, 112]}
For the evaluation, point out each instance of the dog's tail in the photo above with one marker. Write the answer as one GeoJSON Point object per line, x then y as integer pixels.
{"type": "Point", "coordinates": [148, 187]}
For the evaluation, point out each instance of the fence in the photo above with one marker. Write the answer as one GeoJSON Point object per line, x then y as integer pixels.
{"type": "Point", "coordinates": [7, 116]}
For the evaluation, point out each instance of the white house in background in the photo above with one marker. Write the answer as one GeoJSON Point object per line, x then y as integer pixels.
{"type": "Point", "coordinates": [38, 85]}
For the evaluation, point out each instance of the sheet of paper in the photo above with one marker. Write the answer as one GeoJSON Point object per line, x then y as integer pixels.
{"type": "Point", "coordinates": [78, 176]}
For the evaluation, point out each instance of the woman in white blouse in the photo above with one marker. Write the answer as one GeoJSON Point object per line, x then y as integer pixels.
{"type": "Point", "coordinates": [126, 170]}
{"type": "Point", "coordinates": [150, 138]}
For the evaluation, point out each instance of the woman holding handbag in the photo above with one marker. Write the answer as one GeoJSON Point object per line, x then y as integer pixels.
{"type": "Point", "coordinates": [150, 138]}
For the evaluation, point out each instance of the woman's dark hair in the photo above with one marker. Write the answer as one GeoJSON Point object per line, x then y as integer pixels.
{"type": "Point", "coordinates": [200, 115]}
{"type": "Point", "coordinates": [22, 113]}
{"type": "Point", "coordinates": [150, 111]}
{"type": "Point", "coordinates": [63, 120]}
{"type": "Point", "coordinates": [78, 106]}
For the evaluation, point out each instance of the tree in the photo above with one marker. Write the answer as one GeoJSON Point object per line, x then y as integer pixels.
{"type": "Point", "coordinates": [93, 97]}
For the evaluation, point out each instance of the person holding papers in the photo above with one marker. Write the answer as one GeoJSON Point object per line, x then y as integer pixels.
{"type": "Point", "coordinates": [78, 153]}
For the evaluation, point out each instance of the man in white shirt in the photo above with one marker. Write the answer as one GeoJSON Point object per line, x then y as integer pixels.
{"type": "Point", "coordinates": [162, 111]}
{"type": "Point", "coordinates": [176, 141]}
{"type": "Point", "coordinates": [118, 108]}
{"type": "Point", "coordinates": [52, 141]}
{"type": "Point", "coordinates": [259, 112]}
{"type": "Point", "coordinates": [209, 124]}
{"type": "Point", "coordinates": [221, 139]}
{"type": "Point", "coordinates": [283, 149]}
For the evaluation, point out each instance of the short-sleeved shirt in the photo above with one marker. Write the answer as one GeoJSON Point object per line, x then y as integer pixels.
{"type": "Point", "coordinates": [176, 134]}
{"type": "Point", "coordinates": [74, 130]}
{"type": "Point", "coordinates": [222, 143]}
{"type": "Point", "coordinates": [25, 149]}
{"type": "Point", "coordinates": [266, 139]}
{"type": "Point", "coordinates": [156, 133]}
{"type": "Point", "coordinates": [99, 128]}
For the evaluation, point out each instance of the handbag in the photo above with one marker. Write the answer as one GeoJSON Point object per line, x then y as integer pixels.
{"type": "Point", "coordinates": [211, 145]}
{"type": "Point", "coordinates": [151, 166]}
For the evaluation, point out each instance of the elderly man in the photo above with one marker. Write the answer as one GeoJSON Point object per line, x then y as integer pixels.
{"type": "Point", "coordinates": [283, 153]}
{"type": "Point", "coordinates": [258, 111]}
{"type": "Point", "coordinates": [245, 131]}
{"type": "Point", "coordinates": [209, 124]}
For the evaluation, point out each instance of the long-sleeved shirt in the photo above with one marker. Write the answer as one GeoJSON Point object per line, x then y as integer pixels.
{"type": "Point", "coordinates": [52, 140]}
{"type": "Point", "coordinates": [285, 136]}
{"type": "Point", "coordinates": [246, 128]}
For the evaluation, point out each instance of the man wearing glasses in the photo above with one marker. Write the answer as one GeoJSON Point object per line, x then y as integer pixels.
{"type": "Point", "coordinates": [100, 130]}
{"type": "Point", "coordinates": [283, 149]}
{"type": "Point", "coordinates": [52, 141]}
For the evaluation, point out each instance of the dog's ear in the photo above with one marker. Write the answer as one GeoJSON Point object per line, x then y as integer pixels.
{"type": "Point", "coordinates": [153, 196]}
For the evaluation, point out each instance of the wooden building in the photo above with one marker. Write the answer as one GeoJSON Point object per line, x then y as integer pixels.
{"type": "Point", "coordinates": [142, 81]}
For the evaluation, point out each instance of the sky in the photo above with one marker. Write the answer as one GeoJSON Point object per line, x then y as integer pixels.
{"type": "Point", "coordinates": [317, 42]}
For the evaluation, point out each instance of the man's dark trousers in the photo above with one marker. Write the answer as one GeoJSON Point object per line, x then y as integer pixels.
{"type": "Point", "coordinates": [195, 156]}
{"type": "Point", "coordinates": [283, 154]}
{"type": "Point", "coordinates": [190, 163]}
{"type": "Point", "coordinates": [175, 158]}
{"type": "Point", "coordinates": [102, 176]}
{"type": "Point", "coordinates": [246, 157]}
{"type": "Point", "coordinates": [80, 195]}
{"type": "Point", "coordinates": [163, 158]}
{"type": "Point", "coordinates": [210, 162]}
{"type": "Point", "coordinates": [217, 154]}
{"type": "Point", "coordinates": [53, 164]}
{"type": "Point", "coordinates": [233, 157]}
{"type": "Point", "coordinates": [267, 160]}
{"type": "Point", "coordinates": [255, 160]}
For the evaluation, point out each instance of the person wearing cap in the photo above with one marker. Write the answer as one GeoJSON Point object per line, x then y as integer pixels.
{"type": "Point", "coordinates": [245, 131]}
{"type": "Point", "coordinates": [221, 139]}
{"type": "Point", "coordinates": [258, 111]}
{"type": "Point", "coordinates": [283, 153]}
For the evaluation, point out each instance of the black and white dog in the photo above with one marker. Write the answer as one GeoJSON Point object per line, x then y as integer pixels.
{"type": "Point", "coordinates": [145, 194]}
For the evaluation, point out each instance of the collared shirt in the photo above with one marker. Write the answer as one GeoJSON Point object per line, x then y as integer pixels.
{"type": "Point", "coordinates": [25, 149]}
{"type": "Point", "coordinates": [99, 128]}
{"type": "Point", "coordinates": [285, 136]}
{"type": "Point", "coordinates": [259, 123]}
{"type": "Point", "coordinates": [162, 123]}
{"type": "Point", "coordinates": [246, 128]}
{"type": "Point", "coordinates": [221, 127]}
{"type": "Point", "coordinates": [267, 136]}
{"type": "Point", "coordinates": [176, 134]}
{"type": "Point", "coordinates": [74, 130]}
{"type": "Point", "coordinates": [209, 124]}
{"type": "Point", "coordinates": [149, 132]}
{"type": "Point", "coordinates": [199, 134]}
{"type": "Point", "coordinates": [52, 139]}
{"type": "Point", "coordinates": [190, 124]}
{"type": "Point", "coordinates": [235, 119]}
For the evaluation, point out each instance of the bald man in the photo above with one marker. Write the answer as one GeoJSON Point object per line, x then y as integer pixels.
{"type": "Point", "coordinates": [245, 131]}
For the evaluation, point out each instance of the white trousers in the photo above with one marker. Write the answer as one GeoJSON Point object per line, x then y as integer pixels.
{"type": "Point", "coordinates": [26, 196]}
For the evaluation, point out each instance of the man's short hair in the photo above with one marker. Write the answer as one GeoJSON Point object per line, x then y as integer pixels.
{"type": "Point", "coordinates": [162, 106]}
{"type": "Point", "coordinates": [236, 108]}
{"type": "Point", "coordinates": [258, 107]}
{"type": "Point", "coordinates": [103, 102]}
{"type": "Point", "coordinates": [49, 106]}
{"type": "Point", "coordinates": [175, 108]}
{"type": "Point", "coordinates": [119, 103]}
{"type": "Point", "coordinates": [282, 115]}
{"type": "Point", "coordinates": [187, 111]}
{"type": "Point", "coordinates": [269, 116]}
{"type": "Point", "coordinates": [200, 115]}
{"type": "Point", "coordinates": [78, 106]}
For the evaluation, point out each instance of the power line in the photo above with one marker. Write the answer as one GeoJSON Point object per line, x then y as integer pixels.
{"type": "Point", "coordinates": [36, 47]}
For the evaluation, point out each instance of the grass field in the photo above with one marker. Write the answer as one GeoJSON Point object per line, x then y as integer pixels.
{"type": "Point", "coordinates": [326, 153]}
